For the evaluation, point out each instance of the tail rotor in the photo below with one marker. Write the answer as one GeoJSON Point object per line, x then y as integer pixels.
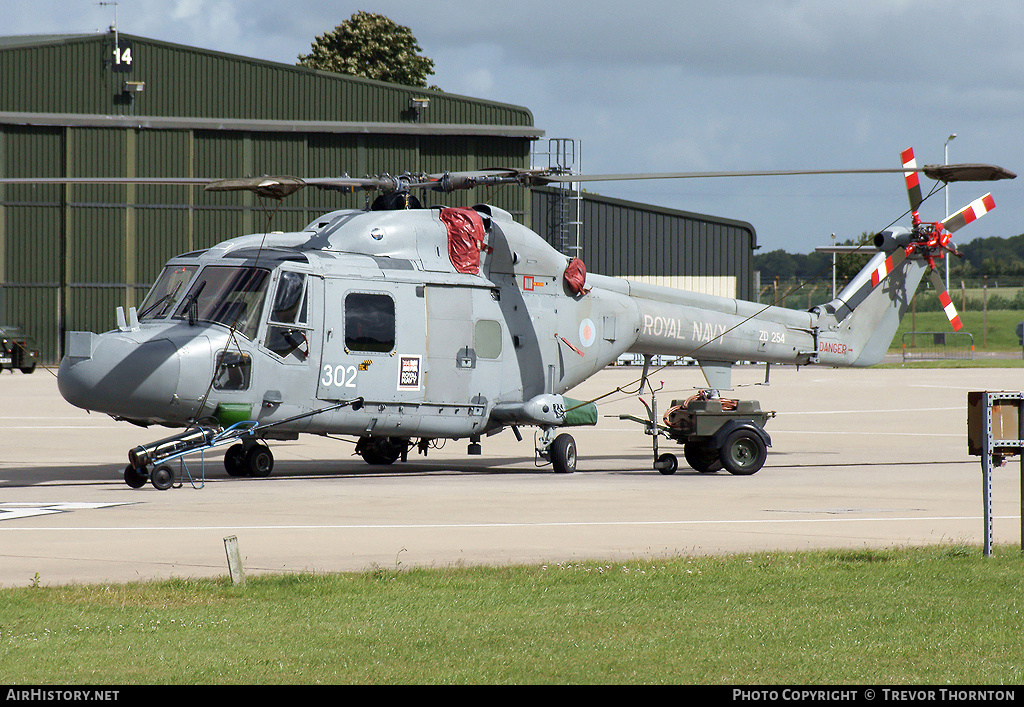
{"type": "Point", "coordinates": [930, 240]}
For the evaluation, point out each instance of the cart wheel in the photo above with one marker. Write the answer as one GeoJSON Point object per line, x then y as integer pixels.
{"type": "Point", "coordinates": [667, 464]}
{"type": "Point", "coordinates": [259, 460]}
{"type": "Point", "coordinates": [162, 477]}
{"type": "Point", "coordinates": [743, 453]}
{"type": "Point", "coordinates": [234, 461]}
{"type": "Point", "coordinates": [563, 454]}
{"type": "Point", "coordinates": [702, 457]}
{"type": "Point", "coordinates": [133, 477]}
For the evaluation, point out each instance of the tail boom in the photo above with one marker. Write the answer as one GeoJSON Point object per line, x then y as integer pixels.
{"type": "Point", "coordinates": [853, 330]}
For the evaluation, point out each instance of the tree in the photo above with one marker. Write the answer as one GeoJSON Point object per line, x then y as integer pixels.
{"type": "Point", "coordinates": [371, 46]}
{"type": "Point", "coordinates": [849, 264]}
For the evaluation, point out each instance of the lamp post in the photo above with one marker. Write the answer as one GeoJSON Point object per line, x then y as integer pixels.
{"type": "Point", "coordinates": [833, 266]}
{"type": "Point", "coordinates": [945, 149]}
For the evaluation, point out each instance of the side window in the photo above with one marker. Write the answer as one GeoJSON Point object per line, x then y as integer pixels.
{"type": "Point", "coordinates": [290, 299]}
{"type": "Point", "coordinates": [369, 322]}
{"type": "Point", "coordinates": [290, 308]}
{"type": "Point", "coordinates": [487, 338]}
{"type": "Point", "coordinates": [233, 371]}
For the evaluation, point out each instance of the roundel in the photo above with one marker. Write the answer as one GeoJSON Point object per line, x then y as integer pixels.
{"type": "Point", "coordinates": [588, 332]}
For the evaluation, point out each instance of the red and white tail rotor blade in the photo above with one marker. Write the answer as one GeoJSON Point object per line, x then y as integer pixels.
{"type": "Point", "coordinates": [972, 212]}
{"type": "Point", "coordinates": [911, 178]}
{"type": "Point", "coordinates": [945, 301]}
{"type": "Point", "coordinates": [887, 266]}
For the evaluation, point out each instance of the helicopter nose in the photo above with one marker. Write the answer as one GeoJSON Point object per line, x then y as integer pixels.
{"type": "Point", "coordinates": [118, 374]}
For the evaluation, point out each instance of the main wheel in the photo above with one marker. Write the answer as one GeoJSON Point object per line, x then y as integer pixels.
{"type": "Point", "coordinates": [563, 454]}
{"type": "Point", "coordinates": [380, 451]}
{"type": "Point", "coordinates": [743, 453]}
{"type": "Point", "coordinates": [702, 457]}
{"type": "Point", "coordinates": [234, 461]}
{"type": "Point", "coordinates": [259, 460]}
{"type": "Point", "coordinates": [162, 477]}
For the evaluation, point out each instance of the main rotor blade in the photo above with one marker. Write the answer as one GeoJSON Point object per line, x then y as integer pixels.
{"type": "Point", "coordinates": [282, 186]}
{"type": "Point", "coordinates": [278, 187]}
{"type": "Point", "coordinates": [966, 172]}
{"type": "Point", "coordinates": [943, 173]}
{"type": "Point", "coordinates": [158, 181]}
{"type": "Point", "coordinates": [272, 187]}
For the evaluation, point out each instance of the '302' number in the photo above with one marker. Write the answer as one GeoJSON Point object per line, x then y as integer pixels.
{"type": "Point", "coordinates": [341, 376]}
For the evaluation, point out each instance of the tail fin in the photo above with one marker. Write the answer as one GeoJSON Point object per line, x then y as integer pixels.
{"type": "Point", "coordinates": [867, 316]}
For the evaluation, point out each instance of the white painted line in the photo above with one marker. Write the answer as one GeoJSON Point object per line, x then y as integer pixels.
{"type": "Point", "coordinates": [16, 510]}
{"type": "Point", "coordinates": [573, 524]}
{"type": "Point", "coordinates": [59, 427]}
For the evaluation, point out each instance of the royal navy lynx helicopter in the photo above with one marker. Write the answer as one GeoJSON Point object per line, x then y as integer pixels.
{"type": "Point", "coordinates": [402, 326]}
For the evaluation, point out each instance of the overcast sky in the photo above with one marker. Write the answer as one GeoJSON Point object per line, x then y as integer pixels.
{"type": "Point", "coordinates": [690, 85]}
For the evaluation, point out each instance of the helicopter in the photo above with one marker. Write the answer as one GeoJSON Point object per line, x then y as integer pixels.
{"type": "Point", "coordinates": [403, 326]}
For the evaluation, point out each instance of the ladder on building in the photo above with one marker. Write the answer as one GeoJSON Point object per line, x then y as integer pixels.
{"type": "Point", "coordinates": [565, 203]}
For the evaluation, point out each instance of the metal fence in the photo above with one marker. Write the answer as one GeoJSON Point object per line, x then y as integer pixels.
{"type": "Point", "coordinates": [937, 346]}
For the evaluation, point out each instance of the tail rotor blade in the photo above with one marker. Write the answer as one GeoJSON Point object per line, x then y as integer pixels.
{"type": "Point", "coordinates": [887, 266]}
{"type": "Point", "coordinates": [972, 212]}
{"type": "Point", "coordinates": [944, 299]}
{"type": "Point", "coordinates": [911, 177]}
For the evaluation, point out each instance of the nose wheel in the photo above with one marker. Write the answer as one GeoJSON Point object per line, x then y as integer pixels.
{"type": "Point", "coordinates": [256, 461]}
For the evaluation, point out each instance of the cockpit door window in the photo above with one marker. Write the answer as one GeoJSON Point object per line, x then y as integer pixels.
{"type": "Point", "coordinates": [288, 331]}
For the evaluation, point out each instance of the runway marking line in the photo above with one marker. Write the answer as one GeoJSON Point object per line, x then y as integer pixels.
{"type": "Point", "coordinates": [16, 510]}
{"type": "Point", "coordinates": [558, 524]}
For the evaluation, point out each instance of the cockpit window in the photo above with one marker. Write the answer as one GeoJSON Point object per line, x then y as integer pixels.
{"type": "Point", "coordinates": [232, 296]}
{"type": "Point", "coordinates": [160, 300]}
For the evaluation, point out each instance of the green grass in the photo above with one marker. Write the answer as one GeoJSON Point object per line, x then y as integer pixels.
{"type": "Point", "coordinates": [942, 614]}
{"type": "Point", "coordinates": [1000, 326]}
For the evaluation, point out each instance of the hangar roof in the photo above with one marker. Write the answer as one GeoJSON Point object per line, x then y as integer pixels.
{"type": "Point", "coordinates": [158, 80]}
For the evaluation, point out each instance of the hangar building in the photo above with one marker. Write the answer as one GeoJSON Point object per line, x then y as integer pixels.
{"type": "Point", "coordinates": [116, 105]}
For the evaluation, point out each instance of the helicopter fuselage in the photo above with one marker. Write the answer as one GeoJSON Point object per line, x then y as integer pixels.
{"type": "Point", "coordinates": [361, 304]}
{"type": "Point", "coordinates": [440, 323]}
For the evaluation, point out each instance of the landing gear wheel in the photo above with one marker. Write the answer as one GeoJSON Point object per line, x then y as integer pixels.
{"type": "Point", "coordinates": [162, 477]}
{"type": "Point", "coordinates": [743, 453]}
{"type": "Point", "coordinates": [563, 454]}
{"type": "Point", "coordinates": [234, 461]}
{"type": "Point", "coordinates": [702, 457]}
{"type": "Point", "coordinates": [133, 477]}
{"type": "Point", "coordinates": [380, 451]}
{"type": "Point", "coordinates": [667, 464]}
{"type": "Point", "coordinates": [259, 461]}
